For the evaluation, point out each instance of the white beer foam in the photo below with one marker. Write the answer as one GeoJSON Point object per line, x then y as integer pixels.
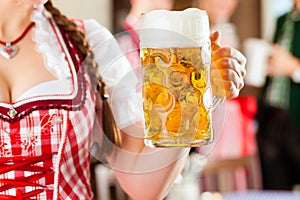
{"type": "Point", "coordinates": [174, 27]}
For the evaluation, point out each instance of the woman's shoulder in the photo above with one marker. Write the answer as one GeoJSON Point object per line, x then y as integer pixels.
{"type": "Point", "coordinates": [92, 26]}
{"type": "Point", "coordinates": [94, 31]}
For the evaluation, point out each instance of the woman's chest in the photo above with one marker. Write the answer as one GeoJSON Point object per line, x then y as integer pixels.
{"type": "Point", "coordinates": [22, 72]}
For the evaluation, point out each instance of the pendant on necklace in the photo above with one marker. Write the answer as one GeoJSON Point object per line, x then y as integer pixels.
{"type": "Point", "coordinates": [8, 51]}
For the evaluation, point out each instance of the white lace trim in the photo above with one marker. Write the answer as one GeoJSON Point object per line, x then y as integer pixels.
{"type": "Point", "coordinates": [47, 44]}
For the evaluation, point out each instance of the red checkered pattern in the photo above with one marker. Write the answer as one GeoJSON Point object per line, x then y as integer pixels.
{"type": "Point", "coordinates": [45, 147]}
{"type": "Point", "coordinates": [74, 177]}
{"type": "Point", "coordinates": [47, 152]}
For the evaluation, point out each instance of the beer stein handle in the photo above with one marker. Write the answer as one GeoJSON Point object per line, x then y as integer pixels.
{"type": "Point", "coordinates": [217, 101]}
{"type": "Point", "coordinates": [218, 91]}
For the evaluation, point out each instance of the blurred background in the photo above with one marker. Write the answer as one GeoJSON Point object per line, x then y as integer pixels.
{"type": "Point", "coordinates": [253, 18]}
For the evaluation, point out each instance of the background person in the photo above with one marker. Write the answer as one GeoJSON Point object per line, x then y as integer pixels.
{"type": "Point", "coordinates": [279, 134]}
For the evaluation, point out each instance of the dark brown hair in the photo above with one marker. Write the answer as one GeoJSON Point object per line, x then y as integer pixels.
{"type": "Point", "coordinates": [109, 125]}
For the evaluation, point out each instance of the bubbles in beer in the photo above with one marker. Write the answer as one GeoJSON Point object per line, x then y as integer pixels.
{"type": "Point", "coordinates": [175, 81]}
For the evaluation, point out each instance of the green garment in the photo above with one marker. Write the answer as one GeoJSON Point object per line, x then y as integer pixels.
{"type": "Point", "coordinates": [278, 136]}
{"type": "Point", "coordinates": [294, 105]}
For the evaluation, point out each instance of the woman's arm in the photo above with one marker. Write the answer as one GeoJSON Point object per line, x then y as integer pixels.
{"type": "Point", "coordinates": [147, 173]}
{"type": "Point", "coordinates": [143, 172]}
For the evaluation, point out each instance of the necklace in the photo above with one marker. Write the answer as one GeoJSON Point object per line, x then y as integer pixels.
{"type": "Point", "coordinates": [8, 49]}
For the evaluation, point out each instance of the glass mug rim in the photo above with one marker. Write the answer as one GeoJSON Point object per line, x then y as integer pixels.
{"type": "Point", "coordinates": [192, 23]}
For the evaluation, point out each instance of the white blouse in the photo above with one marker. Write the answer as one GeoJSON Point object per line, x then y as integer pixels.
{"type": "Point", "coordinates": [113, 66]}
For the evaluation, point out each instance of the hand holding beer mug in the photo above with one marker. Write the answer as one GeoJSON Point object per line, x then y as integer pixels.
{"type": "Point", "coordinates": [177, 93]}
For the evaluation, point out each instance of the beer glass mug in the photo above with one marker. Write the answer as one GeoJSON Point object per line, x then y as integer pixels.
{"type": "Point", "coordinates": [177, 94]}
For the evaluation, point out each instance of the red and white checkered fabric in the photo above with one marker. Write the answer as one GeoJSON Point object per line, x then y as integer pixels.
{"type": "Point", "coordinates": [49, 151]}
{"type": "Point", "coordinates": [45, 138]}
{"type": "Point", "coordinates": [45, 143]}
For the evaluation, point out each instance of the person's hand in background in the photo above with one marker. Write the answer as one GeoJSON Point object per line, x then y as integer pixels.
{"type": "Point", "coordinates": [282, 62]}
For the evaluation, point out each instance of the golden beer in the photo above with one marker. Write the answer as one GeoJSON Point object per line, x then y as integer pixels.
{"type": "Point", "coordinates": [176, 96]}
